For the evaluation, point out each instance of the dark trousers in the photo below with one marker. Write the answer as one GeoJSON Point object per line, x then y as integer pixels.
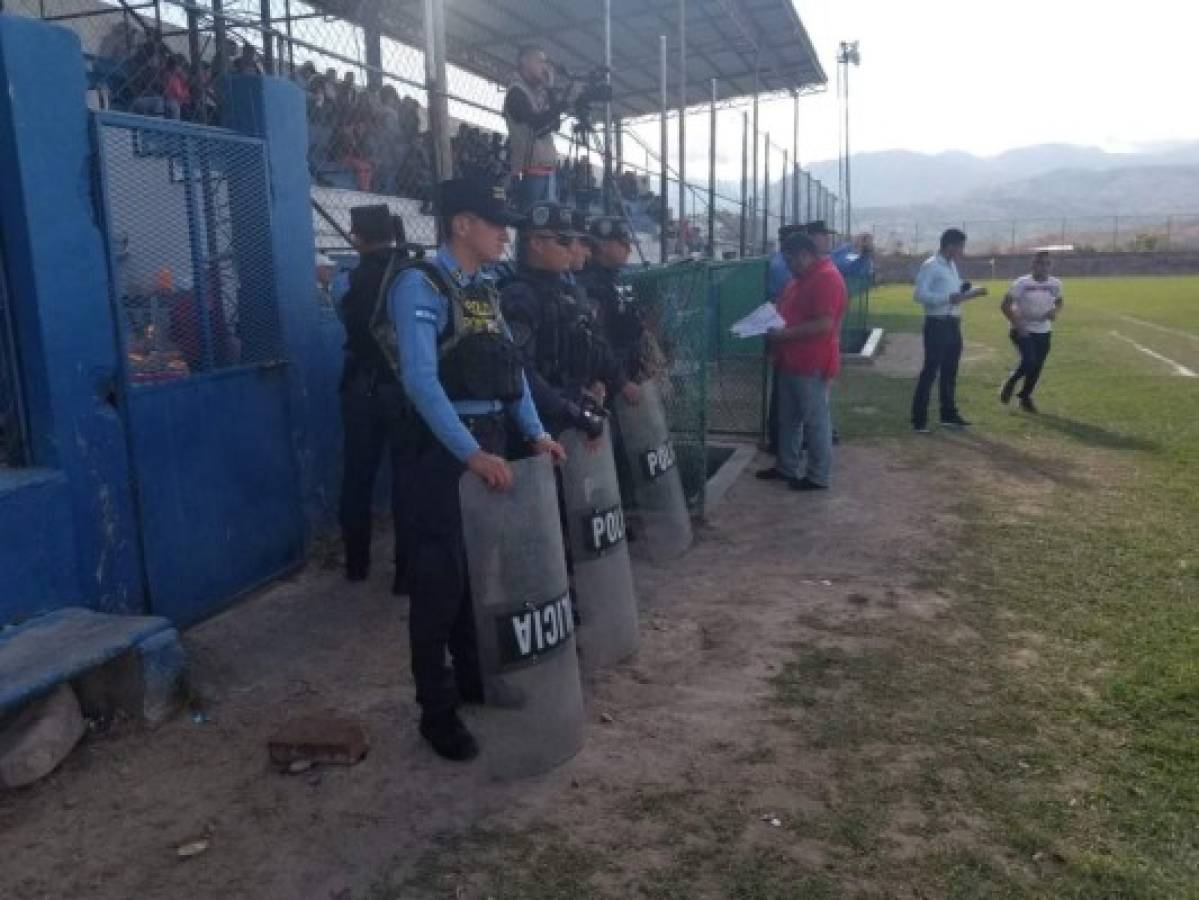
{"type": "Point", "coordinates": [1033, 350]}
{"type": "Point", "coordinates": [440, 615]}
{"type": "Point", "coordinates": [772, 414]}
{"type": "Point", "coordinates": [373, 417]}
{"type": "Point", "coordinates": [942, 353]}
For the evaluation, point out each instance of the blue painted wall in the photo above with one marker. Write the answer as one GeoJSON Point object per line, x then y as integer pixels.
{"type": "Point", "coordinates": [69, 528]}
{"type": "Point", "coordinates": [67, 524]}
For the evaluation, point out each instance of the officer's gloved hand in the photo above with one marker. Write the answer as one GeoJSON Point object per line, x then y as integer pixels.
{"type": "Point", "coordinates": [587, 418]}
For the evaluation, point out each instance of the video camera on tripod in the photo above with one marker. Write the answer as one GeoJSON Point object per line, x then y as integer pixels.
{"type": "Point", "coordinates": [595, 90]}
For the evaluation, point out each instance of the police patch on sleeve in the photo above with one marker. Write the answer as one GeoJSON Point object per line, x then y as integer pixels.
{"type": "Point", "coordinates": [425, 315]}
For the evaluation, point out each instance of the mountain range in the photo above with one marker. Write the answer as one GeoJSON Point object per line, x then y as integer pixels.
{"type": "Point", "coordinates": [1046, 179]}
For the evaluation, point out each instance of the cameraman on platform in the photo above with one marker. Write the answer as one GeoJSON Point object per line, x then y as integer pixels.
{"type": "Point", "coordinates": [533, 112]}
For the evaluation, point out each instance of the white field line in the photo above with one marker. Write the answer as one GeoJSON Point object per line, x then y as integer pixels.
{"type": "Point", "coordinates": [1178, 369]}
{"type": "Point", "coordinates": [1174, 331]}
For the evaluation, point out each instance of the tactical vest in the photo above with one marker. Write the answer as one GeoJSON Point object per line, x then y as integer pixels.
{"type": "Point", "coordinates": [363, 354]}
{"type": "Point", "coordinates": [567, 347]}
{"type": "Point", "coordinates": [476, 358]}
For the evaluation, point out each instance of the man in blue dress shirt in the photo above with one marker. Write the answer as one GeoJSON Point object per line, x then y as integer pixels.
{"type": "Point", "coordinates": [463, 376]}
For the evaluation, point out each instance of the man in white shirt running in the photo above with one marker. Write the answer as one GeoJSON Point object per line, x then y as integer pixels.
{"type": "Point", "coordinates": [1031, 304]}
{"type": "Point", "coordinates": [941, 291]}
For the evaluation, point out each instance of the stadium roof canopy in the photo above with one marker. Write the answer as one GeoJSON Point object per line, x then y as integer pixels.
{"type": "Point", "coordinates": [726, 39]}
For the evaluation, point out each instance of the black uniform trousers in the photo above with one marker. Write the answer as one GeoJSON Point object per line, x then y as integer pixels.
{"type": "Point", "coordinates": [942, 353]}
{"type": "Point", "coordinates": [1034, 350]}
{"type": "Point", "coordinates": [441, 616]}
{"type": "Point", "coordinates": [373, 416]}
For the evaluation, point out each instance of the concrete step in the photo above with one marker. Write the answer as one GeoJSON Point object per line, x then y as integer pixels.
{"type": "Point", "coordinates": [134, 664]}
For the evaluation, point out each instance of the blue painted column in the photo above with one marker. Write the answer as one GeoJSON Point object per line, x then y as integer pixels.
{"type": "Point", "coordinates": [62, 317]}
{"type": "Point", "coordinates": [274, 109]}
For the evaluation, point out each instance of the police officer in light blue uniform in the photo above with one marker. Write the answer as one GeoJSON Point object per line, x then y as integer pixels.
{"type": "Point", "coordinates": [463, 376]}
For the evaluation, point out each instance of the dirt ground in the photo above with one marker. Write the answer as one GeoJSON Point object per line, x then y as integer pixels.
{"type": "Point", "coordinates": [770, 569]}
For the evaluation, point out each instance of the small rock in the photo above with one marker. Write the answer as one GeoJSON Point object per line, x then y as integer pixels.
{"type": "Point", "coordinates": [574, 783]}
{"type": "Point", "coordinates": [826, 582]}
{"type": "Point", "coordinates": [40, 737]}
{"type": "Point", "coordinates": [606, 718]}
{"type": "Point", "coordinates": [298, 766]}
{"type": "Point", "coordinates": [192, 848]}
{"type": "Point", "coordinates": [777, 823]}
{"type": "Point", "coordinates": [1038, 856]}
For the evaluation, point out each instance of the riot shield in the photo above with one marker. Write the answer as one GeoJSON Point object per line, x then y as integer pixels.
{"type": "Point", "coordinates": [661, 504]}
{"type": "Point", "coordinates": [595, 529]}
{"type": "Point", "coordinates": [524, 622]}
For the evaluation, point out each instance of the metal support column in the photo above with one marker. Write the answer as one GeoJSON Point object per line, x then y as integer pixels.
{"type": "Point", "coordinates": [753, 205]}
{"type": "Point", "coordinates": [194, 54]}
{"type": "Point", "coordinates": [291, 47]}
{"type": "Point", "coordinates": [682, 121]}
{"type": "Point", "coordinates": [220, 62]}
{"type": "Point", "coordinates": [268, 46]}
{"type": "Point", "coordinates": [435, 85]}
{"type": "Point", "coordinates": [373, 40]}
{"type": "Point", "coordinates": [783, 191]}
{"type": "Point", "coordinates": [663, 191]}
{"type": "Point", "coordinates": [766, 197]}
{"type": "Point", "coordinates": [712, 175]}
{"type": "Point", "coordinates": [611, 187]}
{"type": "Point", "coordinates": [744, 178]}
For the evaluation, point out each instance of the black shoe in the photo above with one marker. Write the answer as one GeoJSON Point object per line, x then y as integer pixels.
{"type": "Point", "coordinates": [1027, 405]}
{"type": "Point", "coordinates": [805, 484]}
{"type": "Point", "coordinates": [921, 428]}
{"type": "Point", "coordinates": [357, 572]}
{"type": "Point", "coordinates": [771, 474]}
{"type": "Point", "coordinates": [954, 421]}
{"type": "Point", "coordinates": [449, 736]}
{"type": "Point", "coordinates": [836, 437]}
{"type": "Point", "coordinates": [1005, 392]}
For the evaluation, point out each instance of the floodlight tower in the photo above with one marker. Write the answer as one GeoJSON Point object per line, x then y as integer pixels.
{"type": "Point", "coordinates": [847, 55]}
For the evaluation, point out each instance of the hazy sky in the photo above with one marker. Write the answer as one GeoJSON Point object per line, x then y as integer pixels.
{"type": "Point", "coordinates": [987, 76]}
{"type": "Point", "coordinates": [981, 77]}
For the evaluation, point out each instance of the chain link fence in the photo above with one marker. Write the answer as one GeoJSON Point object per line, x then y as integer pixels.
{"type": "Point", "coordinates": [189, 242]}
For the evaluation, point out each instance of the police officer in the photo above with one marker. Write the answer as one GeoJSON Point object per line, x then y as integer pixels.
{"type": "Point", "coordinates": [373, 410]}
{"type": "Point", "coordinates": [464, 378]}
{"type": "Point", "coordinates": [569, 365]}
{"type": "Point", "coordinates": [619, 322]}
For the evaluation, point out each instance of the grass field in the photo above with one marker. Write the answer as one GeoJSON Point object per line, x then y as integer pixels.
{"type": "Point", "coordinates": [1084, 762]}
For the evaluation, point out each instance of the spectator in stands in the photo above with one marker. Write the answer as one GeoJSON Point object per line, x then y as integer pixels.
{"type": "Point", "coordinates": [304, 74]}
{"type": "Point", "coordinates": [141, 89]}
{"type": "Point", "coordinates": [533, 113]}
{"type": "Point", "coordinates": [176, 91]}
{"type": "Point", "coordinates": [628, 185]}
{"type": "Point", "coordinates": [247, 63]}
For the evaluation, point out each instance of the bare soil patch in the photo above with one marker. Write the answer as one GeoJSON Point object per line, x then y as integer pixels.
{"type": "Point", "coordinates": [788, 611]}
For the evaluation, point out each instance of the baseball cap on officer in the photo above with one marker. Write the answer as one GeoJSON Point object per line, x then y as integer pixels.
{"type": "Point", "coordinates": [610, 228]}
{"type": "Point", "coordinates": [469, 195]}
{"type": "Point", "coordinates": [371, 223]}
{"type": "Point", "coordinates": [550, 217]}
{"type": "Point", "coordinates": [816, 226]}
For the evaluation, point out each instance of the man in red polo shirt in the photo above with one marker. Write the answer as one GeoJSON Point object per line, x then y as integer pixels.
{"type": "Point", "coordinates": [807, 355]}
